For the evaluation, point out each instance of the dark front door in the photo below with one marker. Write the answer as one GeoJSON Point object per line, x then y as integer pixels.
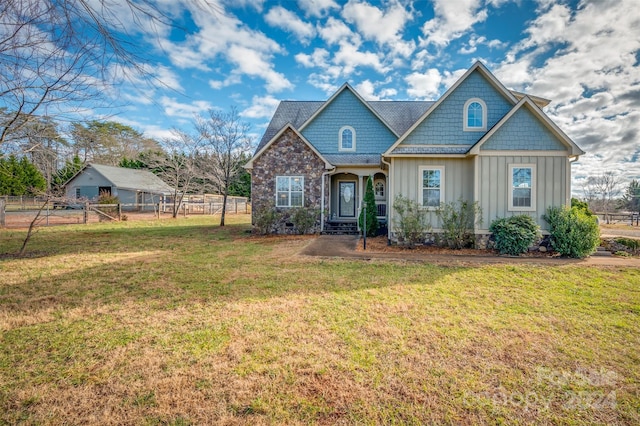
{"type": "Point", "coordinates": [347, 200]}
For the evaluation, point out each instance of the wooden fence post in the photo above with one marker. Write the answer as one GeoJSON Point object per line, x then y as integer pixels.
{"type": "Point", "coordinates": [3, 203]}
{"type": "Point", "coordinates": [86, 213]}
{"type": "Point", "coordinates": [119, 211]}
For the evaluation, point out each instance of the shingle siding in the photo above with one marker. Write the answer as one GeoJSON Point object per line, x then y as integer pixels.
{"type": "Point", "coordinates": [444, 125]}
{"type": "Point", "coordinates": [523, 132]}
{"type": "Point", "coordinates": [372, 136]}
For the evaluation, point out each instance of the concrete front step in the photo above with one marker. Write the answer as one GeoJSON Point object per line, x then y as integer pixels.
{"type": "Point", "coordinates": [601, 251]}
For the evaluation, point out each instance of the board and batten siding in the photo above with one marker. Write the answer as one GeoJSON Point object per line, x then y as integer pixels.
{"type": "Point", "coordinates": [458, 180]}
{"type": "Point", "coordinates": [551, 186]}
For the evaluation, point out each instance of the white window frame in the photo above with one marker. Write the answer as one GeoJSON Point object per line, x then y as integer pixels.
{"type": "Point", "coordinates": [289, 191]}
{"type": "Point", "coordinates": [375, 190]}
{"type": "Point", "coordinates": [465, 114]}
{"type": "Point", "coordinates": [421, 170]}
{"type": "Point", "coordinates": [510, 189]}
{"type": "Point", "coordinates": [353, 139]}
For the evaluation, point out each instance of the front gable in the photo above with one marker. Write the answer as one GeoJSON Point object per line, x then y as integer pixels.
{"type": "Point", "coordinates": [347, 110]}
{"type": "Point", "coordinates": [526, 128]}
{"type": "Point", "coordinates": [444, 124]}
{"type": "Point", "coordinates": [523, 132]}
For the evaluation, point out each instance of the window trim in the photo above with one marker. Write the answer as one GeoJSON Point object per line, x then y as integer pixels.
{"type": "Point", "coordinates": [289, 191]}
{"type": "Point", "coordinates": [421, 170]}
{"type": "Point", "coordinates": [375, 190]}
{"type": "Point", "coordinates": [353, 139]}
{"type": "Point", "coordinates": [465, 121]}
{"type": "Point", "coordinates": [510, 188]}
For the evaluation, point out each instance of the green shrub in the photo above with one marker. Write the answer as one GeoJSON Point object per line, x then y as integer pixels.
{"type": "Point", "coordinates": [573, 232]}
{"type": "Point", "coordinates": [457, 220]}
{"type": "Point", "coordinates": [265, 218]}
{"type": "Point", "coordinates": [372, 211]}
{"type": "Point", "coordinates": [630, 243]}
{"type": "Point", "coordinates": [304, 218]}
{"type": "Point", "coordinates": [513, 235]}
{"type": "Point", "coordinates": [409, 223]}
{"type": "Point", "coordinates": [581, 205]}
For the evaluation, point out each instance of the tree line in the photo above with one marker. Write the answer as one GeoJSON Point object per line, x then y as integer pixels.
{"type": "Point", "coordinates": [207, 160]}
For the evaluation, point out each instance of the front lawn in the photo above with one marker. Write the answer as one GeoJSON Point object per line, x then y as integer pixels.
{"type": "Point", "coordinates": [183, 322]}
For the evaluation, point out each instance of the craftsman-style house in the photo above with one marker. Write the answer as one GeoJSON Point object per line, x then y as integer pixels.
{"type": "Point", "coordinates": [479, 142]}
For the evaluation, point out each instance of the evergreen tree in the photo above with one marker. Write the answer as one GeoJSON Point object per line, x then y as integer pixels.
{"type": "Point", "coordinates": [372, 211]}
{"type": "Point", "coordinates": [20, 177]}
{"type": "Point", "coordinates": [631, 198]}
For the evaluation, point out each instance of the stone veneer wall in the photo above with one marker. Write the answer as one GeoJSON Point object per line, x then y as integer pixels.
{"type": "Point", "coordinates": [287, 156]}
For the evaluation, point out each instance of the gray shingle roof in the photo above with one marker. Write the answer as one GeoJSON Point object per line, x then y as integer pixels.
{"type": "Point", "coordinates": [353, 159]}
{"type": "Point", "coordinates": [431, 149]}
{"type": "Point", "coordinates": [124, 178]}
{"type": "Point", "coordinates": [399, 115]}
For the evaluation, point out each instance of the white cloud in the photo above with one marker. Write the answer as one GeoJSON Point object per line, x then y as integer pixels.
{"type": "Point", "coordinates": [383, 26]}
{"type": "Point", "coordinates": [253, 63]}
{"type": "Point", "coordinates": [173, 108]}
{"type": "Point", "coordinates": [261, 107]}
{"type": "Point", "coordinates": [282, 18]}
{"type": "Point", "coordinates": [334, 31]}
{"type": "Point", "coordinates": [350, 57]}
{"type": "Point", "coordinates": [223, 35]}
{"type": "Point", "coordinates": [453, 18]}
{"type": "Point", "coordinates": [319, 58]}
{"type": "Point", "coordinates": [424, 85]}
{"type": "Point", "coordinates": [317, 8]}
{"type": "Point", "coordinates": [367, 90]}
{"type": "Point", "coordinates": [475, 41]}
{"type": "Point", "coordinates": [583, 60]}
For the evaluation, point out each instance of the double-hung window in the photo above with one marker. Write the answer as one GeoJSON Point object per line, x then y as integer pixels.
{"type": "Point", "coordinates": [289, 191]}
{"type": "Point", "coordinates": [522, 195]}
{"type": "Point", "coordinates": [431, 186]}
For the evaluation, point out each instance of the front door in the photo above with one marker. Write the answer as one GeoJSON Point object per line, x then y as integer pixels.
{"type": "Point", "coordinates": [347, 200]}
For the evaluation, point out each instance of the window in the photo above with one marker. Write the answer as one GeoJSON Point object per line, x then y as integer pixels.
{"type": "Point", "coordinates": [289, 191]}
{"type": "Point", "coordinates": [379, 189]}
{"type": "Point", "coordinates": [347, 139]}
{"type": "Point", "coordinates": [431, 186]}
{"type": "Point", "coordinates": [475, 115]}
{"type": "Point", "coordinates": [522, 196]}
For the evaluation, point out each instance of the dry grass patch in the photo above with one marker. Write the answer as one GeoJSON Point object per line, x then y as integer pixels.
{"type": "Point", "coordinates": [186, 323]}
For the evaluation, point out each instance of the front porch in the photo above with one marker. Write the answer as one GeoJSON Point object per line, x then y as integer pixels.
{"type": "Point", "coordinates": [345, 200]}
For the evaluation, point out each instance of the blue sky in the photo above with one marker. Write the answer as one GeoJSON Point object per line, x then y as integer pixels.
{"type": "Point", "coordinates": [583, 55]}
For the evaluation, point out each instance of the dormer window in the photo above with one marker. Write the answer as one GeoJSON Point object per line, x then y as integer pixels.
{"type": "Point", "coordinates": [347, 139]}
{"type": "Point", "coordinates": [475, 115]}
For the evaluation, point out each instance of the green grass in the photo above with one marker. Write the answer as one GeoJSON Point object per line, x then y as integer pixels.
{"type": "Point", "coordinates": [182, 322]}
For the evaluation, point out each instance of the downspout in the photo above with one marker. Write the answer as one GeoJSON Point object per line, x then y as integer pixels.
{"type": "Point", "coordinates": [389, 201]}
{"type": "Point", "coordinates": [322, 203]}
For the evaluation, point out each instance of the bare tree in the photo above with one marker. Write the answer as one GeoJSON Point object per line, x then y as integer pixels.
{"type": "Point", "coordinates": [55, 55]}
{"type": "Point", "coordinates": [602, 191]}
{"type": "Point", "coordinates": [225, 145]}
{"type": "Point", "coordinates": [176, 165]}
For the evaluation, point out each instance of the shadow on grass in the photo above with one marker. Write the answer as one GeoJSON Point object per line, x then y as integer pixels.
{"type": "Point", "coordinates": [177, 264]}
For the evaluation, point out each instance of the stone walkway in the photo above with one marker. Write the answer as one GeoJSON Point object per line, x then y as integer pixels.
{"type": "Point", "coordinates": [344, 246]}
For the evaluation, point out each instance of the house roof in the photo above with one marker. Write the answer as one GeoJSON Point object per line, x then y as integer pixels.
{"type": "Point", "coordinates": [527, 102]}
{"type": "Point", "coordinates": [353, 159]}
{"type": "Point", "coordinates": [398, 115]}
{"type": "Point", "coordinates": [275, 137]}
{"type": "Point", "coordinates": [132, 179]}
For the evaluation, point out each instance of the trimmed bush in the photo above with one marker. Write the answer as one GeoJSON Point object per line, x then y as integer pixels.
{"type": "Point", "coordinates": [304, 219]}
{"type": "Point", "coordinates": [372, 211]}
{"type": "Point", "coordinates": [265, 218]}
{"type": "Point", "coordinates": [573, 232]}
{"type": "Point", "coordinates": [514, 235]}
{"type": "Point", "coordinates": [410, 225]}
{"type": "Point", "coordinates": [457, 220]}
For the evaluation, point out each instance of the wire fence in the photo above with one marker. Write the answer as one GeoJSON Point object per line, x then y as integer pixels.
{"type": "Point", "coordinates": [21, 211]}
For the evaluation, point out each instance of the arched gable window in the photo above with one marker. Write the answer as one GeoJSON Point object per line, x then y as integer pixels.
{"type": "Point", "coordinates": [347, 136]}
{"type": "Point", "coordinates": [475, 115]}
